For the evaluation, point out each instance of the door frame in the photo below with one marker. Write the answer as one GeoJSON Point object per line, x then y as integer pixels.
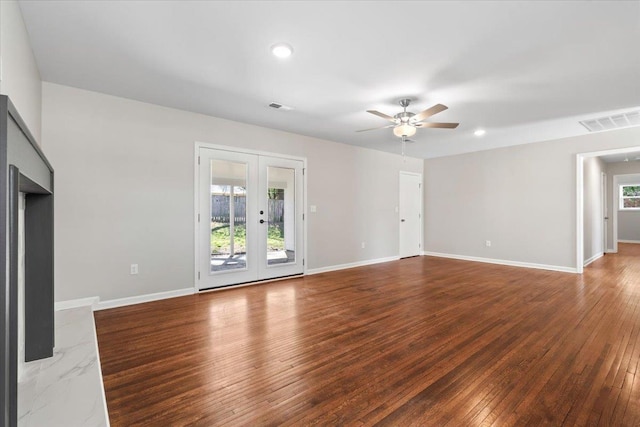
{"type": "Point", "coordinates": [605, 211]}
{"type": "Point", "coordinates": [421, 222]}
{"type": "Point", "coordinates": [615, 205]}
{"type": "Point", "coordinates": [196, 203]}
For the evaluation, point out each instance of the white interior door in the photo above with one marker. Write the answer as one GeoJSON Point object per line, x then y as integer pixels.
{"type": "Point", "coordinates": [410, 210]}
{"type": "Point", "coordinates": [250, 223]}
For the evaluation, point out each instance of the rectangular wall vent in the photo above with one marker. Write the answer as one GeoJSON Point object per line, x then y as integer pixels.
{"type": "Point", "coordinates": [617, 121]}
{"type": "Point", "coordinates": [279, 106]}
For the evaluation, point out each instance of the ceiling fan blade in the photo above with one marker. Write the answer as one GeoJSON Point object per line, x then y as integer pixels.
{"type": "Point", "coordinates": [437, 125]}
{"type": "Point", "coordinates": [381, 127]}
{"type": "Point", "coordinates": [438, 108]}
{"type": "Point", "coordinates": [383, 115]}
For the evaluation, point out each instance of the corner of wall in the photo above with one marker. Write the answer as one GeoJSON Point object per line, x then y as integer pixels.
{"type": "Point", "coordinates": [20, 74]}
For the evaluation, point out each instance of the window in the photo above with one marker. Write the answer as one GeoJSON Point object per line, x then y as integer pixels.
{"type": "Point", "coordinates": [630, 197]}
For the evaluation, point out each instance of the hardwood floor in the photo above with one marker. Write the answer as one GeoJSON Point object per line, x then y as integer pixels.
{"type": "Point", "coordinates": [422, 341]}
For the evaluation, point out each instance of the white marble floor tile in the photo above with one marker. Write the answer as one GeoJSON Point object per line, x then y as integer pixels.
{"type": "Point", "coordinates": [66, 389]}
{"type": "Point", "coordinates": [26, 398]}
{"type": "Point", "coordinates": [70, 402]}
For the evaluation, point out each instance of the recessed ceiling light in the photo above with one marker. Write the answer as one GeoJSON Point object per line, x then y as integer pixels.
{"type": "Point", "coordinates": [281, 50]}
{"type": "Point", "coordinates": [480, 132]}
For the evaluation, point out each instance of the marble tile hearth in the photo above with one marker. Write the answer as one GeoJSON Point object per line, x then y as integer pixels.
{"type": "Point", "coordinates": [65, 390]}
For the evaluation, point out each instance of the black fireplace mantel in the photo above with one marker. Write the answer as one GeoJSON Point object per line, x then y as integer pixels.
{"type": "Point", "coordinates": [23, 169]}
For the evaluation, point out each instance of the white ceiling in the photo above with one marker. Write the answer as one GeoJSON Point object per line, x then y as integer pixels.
{"type": "Point", "coordinates": [524, 71]}
{"type": "Point", "coordinates": [632, 156]}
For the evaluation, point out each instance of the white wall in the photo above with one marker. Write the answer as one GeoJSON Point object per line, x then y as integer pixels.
{"type": "Point", "coordinates": [593, 208]}
{"type": "Point", "coordinates": [522, 198]}
{"type": "Point", "coordinates": [628, 225]}
{"type": "Point", "coordinates": [124, 192]}
{"type": "Point", "coordinates": [20, 75]}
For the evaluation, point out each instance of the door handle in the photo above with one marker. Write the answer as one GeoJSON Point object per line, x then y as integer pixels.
{"type": "Point", "coordinates": [262, 221]}
{"type": "Point", "coordinates": [402, 220]}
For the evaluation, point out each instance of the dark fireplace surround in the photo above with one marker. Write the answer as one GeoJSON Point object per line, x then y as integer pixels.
{"type": "Point", "coordinates": [23, 169]}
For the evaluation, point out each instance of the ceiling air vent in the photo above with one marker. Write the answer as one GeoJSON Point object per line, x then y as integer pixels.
{"type": "Point", "coordinates": [278, 106]}
{"type": "Point", "coordinates": [617, 121]}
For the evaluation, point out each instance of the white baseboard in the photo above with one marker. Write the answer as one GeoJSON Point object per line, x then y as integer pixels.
{"type": "Point", "coordinates": [610, 251]}
{"type": "Point", "coordinates": [75, 303]}
{"type": "Point", "coordinates": [350, 265]}
{"type": "Point", "coordinates": [504, 262]}
{"type": "Point", "coordinates": [121, 302]}
{"type": "Point", "coordinates": [593, 258]}
{"type": "Point", "coordinates": [629, 241]}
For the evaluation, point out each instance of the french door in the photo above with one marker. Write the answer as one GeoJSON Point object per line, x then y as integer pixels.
{"type": "Point", "coordinates": [250, 222]}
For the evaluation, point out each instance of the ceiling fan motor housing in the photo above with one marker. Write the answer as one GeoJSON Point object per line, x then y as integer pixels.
{"type": "Point", "coordinates": [404, 116]}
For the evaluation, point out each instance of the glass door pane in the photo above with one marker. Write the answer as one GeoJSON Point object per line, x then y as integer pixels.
{"type": "Point", "coordinates": [228, 218]}
{"type": "Point", "coordinates": [281, 218]}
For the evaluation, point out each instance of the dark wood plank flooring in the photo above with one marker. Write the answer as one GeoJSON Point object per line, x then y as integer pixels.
{"type": "Point", "coordinates": [421, 341]}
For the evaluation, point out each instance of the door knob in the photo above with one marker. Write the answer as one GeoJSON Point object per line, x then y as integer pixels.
{"type": "Point", "coordinates": [261, 212]}
{"type": "Point", "coordinates": [262, 221]}
{"type": "Point", "coordinates": [402, 220]}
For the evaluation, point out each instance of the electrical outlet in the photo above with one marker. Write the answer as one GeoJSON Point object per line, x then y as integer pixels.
{"type": "Point", "coordinates": [487, 243]}
{"type": "Point", "coordinates": [313, 209]}
{"type": "Point", "coordinates": [134, 269]}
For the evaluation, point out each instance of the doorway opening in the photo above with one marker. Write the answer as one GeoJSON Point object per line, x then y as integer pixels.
{"type": "Point", "coordinates": [597, 200]}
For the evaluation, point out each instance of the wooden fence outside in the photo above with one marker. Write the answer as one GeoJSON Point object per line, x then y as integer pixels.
{"type": "Point", "coordinates": [220, 209]}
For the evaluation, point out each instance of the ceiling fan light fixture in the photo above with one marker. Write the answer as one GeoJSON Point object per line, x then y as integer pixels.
{"type": "Point", "coordinates": [404, 130]}
{"type": "Point", "coordinates": [282, 50]}
{"type": "Point", "coordinates": [405, 123]}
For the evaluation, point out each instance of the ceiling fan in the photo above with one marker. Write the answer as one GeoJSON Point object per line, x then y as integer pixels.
{"type": "Point", "coordinates": [406, 123]}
